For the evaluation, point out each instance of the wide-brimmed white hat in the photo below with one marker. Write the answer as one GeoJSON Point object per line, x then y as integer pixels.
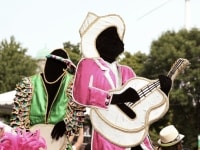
{"type": "Point", "coordinates": [92, 26]}
{"type": "Point", "coordinates": [169, 136]}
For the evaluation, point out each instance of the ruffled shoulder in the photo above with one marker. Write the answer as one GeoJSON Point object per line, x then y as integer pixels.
{"type": "Point", "coordinates": [75, 118]}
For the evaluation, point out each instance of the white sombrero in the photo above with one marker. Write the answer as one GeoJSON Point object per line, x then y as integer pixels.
{"type": "Point", "coordinates": [169, 136]}
{"type": "Point", "coordinates": [92, 26]}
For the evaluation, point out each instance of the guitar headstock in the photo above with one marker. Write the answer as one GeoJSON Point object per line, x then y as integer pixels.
{"type": "Point", "coordinates": [179, 65]}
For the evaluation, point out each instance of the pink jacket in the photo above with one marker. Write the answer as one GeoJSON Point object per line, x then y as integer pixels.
{"type": "Point", "coordinates": [93, 80]}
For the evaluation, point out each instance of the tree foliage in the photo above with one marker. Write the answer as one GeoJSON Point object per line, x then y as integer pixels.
{"type": "Point", "coordinates": [14, 64]}
{"type": "Point", "coordinates": [73, 51]}
{"type": "Point", "coordinates": [135, 61]}
{"type": "Point", "coordinates": [184, 96]}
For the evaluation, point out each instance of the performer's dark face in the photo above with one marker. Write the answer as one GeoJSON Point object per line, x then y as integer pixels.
{"type": "Point", "coordinates": [54, 68]}
{"type": "Point", "coordinates": [109, 44]}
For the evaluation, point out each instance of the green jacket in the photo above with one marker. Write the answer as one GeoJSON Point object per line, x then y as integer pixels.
{"type": "Point", "coordinates": [30, 104]}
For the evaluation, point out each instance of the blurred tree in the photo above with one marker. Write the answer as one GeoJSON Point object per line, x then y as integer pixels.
{"type": "Point", "coordinates": [73, 51]}
{"type": "Point", "coordinates": [135, 61]}
{"type": "Point", "coordinates": [184, 110]}
{"type": "Point", "coordinates": [14, 64]}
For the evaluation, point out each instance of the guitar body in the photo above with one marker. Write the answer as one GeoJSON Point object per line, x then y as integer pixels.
{"type": "Point", "coordinates": [45, 132]}
{"type": "Point", "coordinates": [113, 123]}
{"type": "Point", "coordinates": [117, 127]}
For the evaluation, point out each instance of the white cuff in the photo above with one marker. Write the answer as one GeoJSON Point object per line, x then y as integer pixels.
{"type": "Point", "coordinates": [73, 147]}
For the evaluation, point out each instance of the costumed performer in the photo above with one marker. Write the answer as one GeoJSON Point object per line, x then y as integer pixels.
{"type": "Point", "coordinates": [45, 99]}
{"type": "Point", "coordinates": [98, 72]}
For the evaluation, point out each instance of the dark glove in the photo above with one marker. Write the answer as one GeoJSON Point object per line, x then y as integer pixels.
{"type": "Point", "coordinates": [129, 95]}
{"type": "Point", "coordinates": [136, 148]}
{"type": "Point", "coordinates": [127, 110]}
{"type": "Point", "coordinates": [165, 83]}
{"type": "Point", "coordinates": [58, 130]}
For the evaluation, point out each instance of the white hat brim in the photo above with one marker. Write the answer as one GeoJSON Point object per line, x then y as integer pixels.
{"type": "Point", "coordinates": [88, 38]}
{"type": "Point", "coordinates": [181, 136]}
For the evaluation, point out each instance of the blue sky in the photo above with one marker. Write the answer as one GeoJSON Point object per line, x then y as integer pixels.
{"type": "Point", "coordinates": [46, 24]}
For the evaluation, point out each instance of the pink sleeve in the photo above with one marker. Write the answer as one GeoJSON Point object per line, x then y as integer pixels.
{"type": "Point", "coordinates": [83, 90]}
{"type": "Point", "coordinates": [127, 73]}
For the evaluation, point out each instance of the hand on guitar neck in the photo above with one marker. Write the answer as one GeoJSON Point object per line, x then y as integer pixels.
{"type": "Point", "coordinates": [165, 83]}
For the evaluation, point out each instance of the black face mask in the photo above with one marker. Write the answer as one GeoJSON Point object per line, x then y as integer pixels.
{"type": "Point", "coordinates": [109, 44]}
{"type": "Point", "coordinates": [54, 68]}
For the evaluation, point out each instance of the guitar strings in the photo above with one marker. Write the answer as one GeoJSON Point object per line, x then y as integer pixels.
{"type": "Point", "coordinates": [175, 67]}
{"type": "Point", "coordinates": [147, 89]}
{"type": "Point", "coordinates": [150, 87]}
{"type": "Point", "coordinates": [143, 92]}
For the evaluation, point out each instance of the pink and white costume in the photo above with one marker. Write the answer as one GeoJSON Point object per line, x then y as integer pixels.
{"type": "Point", "coordinates": [93, 80]}
{"type": "Point", "coordinates": [95, 77]}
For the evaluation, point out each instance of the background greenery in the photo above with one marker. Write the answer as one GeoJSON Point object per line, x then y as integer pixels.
{"type": "Point", "coordinates": [184, 110]}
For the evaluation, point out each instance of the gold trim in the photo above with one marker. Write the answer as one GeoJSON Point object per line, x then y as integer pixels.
{"type": "Point", "coordinates": [48, 82]}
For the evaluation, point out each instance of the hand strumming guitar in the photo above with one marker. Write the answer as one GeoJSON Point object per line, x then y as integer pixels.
{"type": "Point", "coordinates": [129, 95]}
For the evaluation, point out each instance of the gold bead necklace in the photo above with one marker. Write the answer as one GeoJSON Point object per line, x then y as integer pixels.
{"type": "Point", "coordinates": [48, 82]}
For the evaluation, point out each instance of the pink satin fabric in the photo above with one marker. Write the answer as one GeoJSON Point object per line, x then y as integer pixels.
{"type": "Point", "coordinates": [91, 85]}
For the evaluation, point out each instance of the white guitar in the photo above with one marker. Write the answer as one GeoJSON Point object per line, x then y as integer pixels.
{"type": "Point", "coordinates": [153, 104]}
{"type": "Point", "coordinates": [45, 132]}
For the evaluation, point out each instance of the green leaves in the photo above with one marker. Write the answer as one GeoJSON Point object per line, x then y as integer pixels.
{"type": "Point", "coordinates": [14, 64]}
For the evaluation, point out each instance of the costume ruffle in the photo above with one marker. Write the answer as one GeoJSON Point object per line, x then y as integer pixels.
{"type": "Point", "coordinates": [22, 140]}
{"type": "Point", "coordinates": [74, 116]}
{"type": "Point", "coordinates": [22, 102]}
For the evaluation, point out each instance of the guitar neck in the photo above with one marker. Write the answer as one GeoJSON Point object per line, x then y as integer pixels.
{"type": "Point", "coordinates": [175, 69]}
